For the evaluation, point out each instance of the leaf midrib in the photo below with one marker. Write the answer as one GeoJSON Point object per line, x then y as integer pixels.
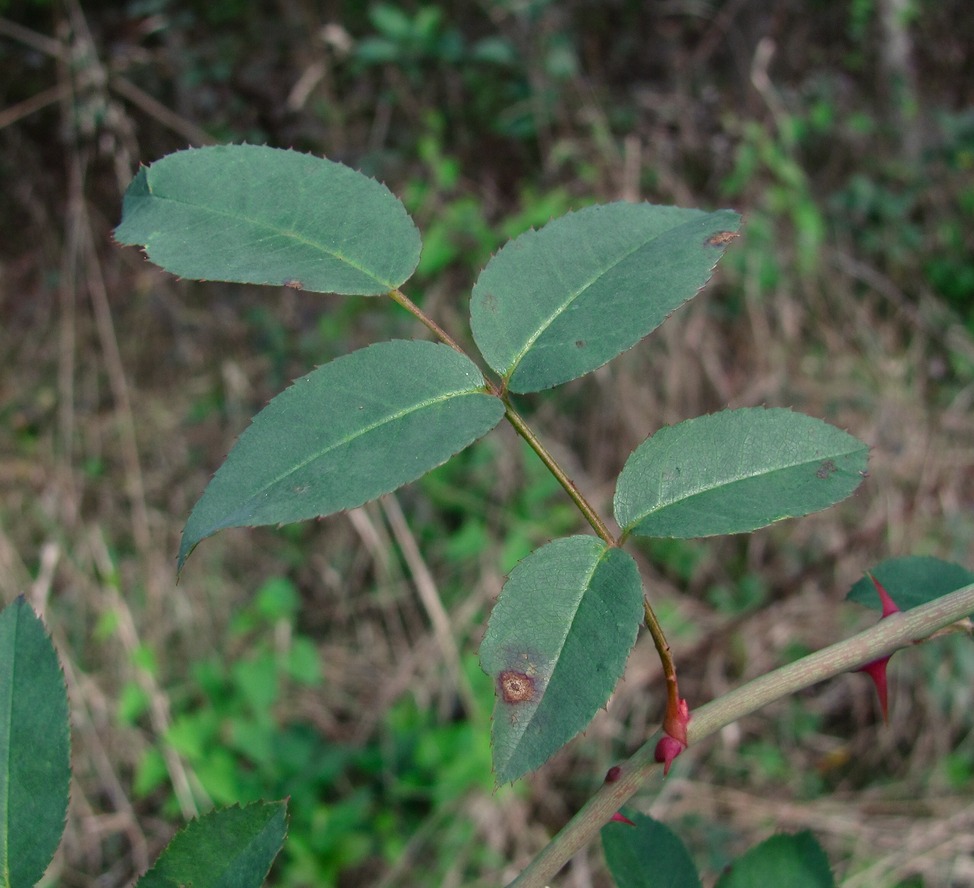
{"type": "Point", "coordinates": [701, 491]}
{"type": "Point", "coordinates": [280, 232]}
{"type": "Point", "coordinates": [348, 439]}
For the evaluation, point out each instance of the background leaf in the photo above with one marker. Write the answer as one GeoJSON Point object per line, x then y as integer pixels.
{"type": "Point", "coordinates": [555, 304]}
{"type": "Point", "coordinates": [797, 861]}
{"type": "Point", "coordinates": [35, 767]}
{"type": "Point", "coordinates": [647, 855]}
{"type": "Point", "coordinates": [911, 581]}
{"type": "Point", "coordinates": [262, 215]}
{"type": "Point", "coordinates": [736, 471]}
{"type": "Point", "coordinates": [556, 645]}
{"type": "Point", "coordinates": [230, 848]}
{"type": "Point", "coordinates": [346, 433]}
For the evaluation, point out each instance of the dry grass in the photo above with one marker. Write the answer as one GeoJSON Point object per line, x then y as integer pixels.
{"type": "Point", "coordinates": [107, 441]}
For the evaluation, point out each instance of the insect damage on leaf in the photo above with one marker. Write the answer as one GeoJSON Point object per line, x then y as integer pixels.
{"type": "Point", "coordinates": [516, 687]}
{"type": "Point", "coordinates": [826, 469]}
{"type": "Point", "coordinates": [294, 284]}
{"type": "Point", "coordinates": [721, 238]}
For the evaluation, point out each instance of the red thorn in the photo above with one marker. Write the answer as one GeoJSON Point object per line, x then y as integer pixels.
{"type": "Point", "coordinates": [668, 749]}
{"type": "Point", "coordinates": [889, 606]}
{"type": "Point", "coordinates": [621, 818]}
{"type": "Point", "coordinates": [613, 774]}
{"type": "Point", "coordinates": [877, 672]}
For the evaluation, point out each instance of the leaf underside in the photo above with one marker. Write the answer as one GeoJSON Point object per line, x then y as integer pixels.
{"type": "Point", "coordinates": [557, 303]}
{"type": "Point", "coordinates": [736, 471]}
{"type": "Point", "coordinates": [259, 215]}
{"type": "Point", "coordinates": [348, 432]}
{"type": "Point", "coordinates": [556, 645]}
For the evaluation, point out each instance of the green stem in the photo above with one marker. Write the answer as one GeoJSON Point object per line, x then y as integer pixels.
{"type": "Point", "coordinates": [665, 658]}
{"type": "Point", "coordinates": [515, 420]}
{"type": "Point", "coordinates": [402, 299]}
{"type": "Point", "coordinates": [888, 635]}
{"type": "Point", "coordinates": [521, 427]}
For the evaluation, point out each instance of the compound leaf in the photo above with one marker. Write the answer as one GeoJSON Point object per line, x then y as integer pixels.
{"type": "Point", "coordinates": [556, 645]}
{"type": "Point", "coordinates": [556, 303]}
{"type": "Point", "coordinates": [647, 855]}
{"type": "Point", "coordinates": [35, 767]}
{"type": "Point", "coordinates": [229, 848]}
{"type": "Point", "coordinates": [346, 433]}
{"type": "Point", "coordinates": [736, 471]}
{"type": "Point", "coordinates": [260, 215]}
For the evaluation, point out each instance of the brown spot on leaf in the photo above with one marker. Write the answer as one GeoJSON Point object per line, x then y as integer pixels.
{"type": "Point", "coordinates": [294, 284]}
{"type": "Point", "coordinates": [516, 687]}
{"type": "Point", "coordinates": [579, 343]}
{"type": "Point", "coordinates": [721, 238]}
{"type": "Point", "coordinates": [827, 468]}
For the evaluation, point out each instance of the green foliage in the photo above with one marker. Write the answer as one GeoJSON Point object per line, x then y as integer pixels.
{"type": "Point", "coordinates": [349, 804]}
{"type": "Point", "coordinates": [547, 307]}
{"type": "Point", "coordinates": [562, 604]}
{"type": "Point", "coordinates": [646, 854]}
{"type": "Point", "coordinates": [257, 215]}
{"type": "Point", "coordinates": [34, 747]}
{"type": "Point", "coordinates": [345, 434]}
{"type": "Point", "coordinates": [552, 305]}
{"type": "Point", "coordinates": [795, 860]}
{"type": "Point", "coordinates": [736, 471]}
{"type": "Point", "coordinates": [232, 848]}
{"type": "Point", "coordinates": [911, 581]}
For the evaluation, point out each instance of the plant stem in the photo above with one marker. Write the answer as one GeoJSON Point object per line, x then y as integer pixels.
{"type": "Point", "coordinates": [888, 635]}
{"type": "Point", "coordinates": [522, 428]}
{"type": "Point", "coordinates": [517, 421]}
{"type": "Point", "coordinates": [402, 299]}
{"type": "Point", "coordinates": [665, 658]}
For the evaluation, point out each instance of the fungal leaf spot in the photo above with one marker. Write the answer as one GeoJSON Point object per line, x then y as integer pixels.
{"type": "Point", "coordinates": [516, 687]}
{"type": "Point", "coordinates": [721, 238]}
{"type": "Point", "coordinates": [825, 469]}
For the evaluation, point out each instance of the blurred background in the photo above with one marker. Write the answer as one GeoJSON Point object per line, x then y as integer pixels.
{"type": "Point", "coordinates": [334, 662]}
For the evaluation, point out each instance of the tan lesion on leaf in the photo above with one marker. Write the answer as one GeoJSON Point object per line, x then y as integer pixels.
{"type": "Point", "coordinates": [721, 238]}
{"type": "Point", "coordinates": [517, 687]}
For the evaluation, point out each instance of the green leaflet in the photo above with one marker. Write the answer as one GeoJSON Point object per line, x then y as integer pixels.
{"type": "Point", "coordinates": [346, 433]}
{"type": "Point", "coordinates": [647, 855]}
{"type": "Point", "coordinates": [556, 303]}
{"type": "Point", "coordinates": [556, 645]}
{"type": "Point", "coordinates": [260, 215]}
{"type": "Point", "coordinates": [229, 848]}
{"type": "Point", "coordinates": [797, 861]}
{"type": "Point", "coordinates": [35, 747]}
{"type": "Point", "coordinates": [911, 581]}
{"type": "Point", "coordinates": [736, 471]}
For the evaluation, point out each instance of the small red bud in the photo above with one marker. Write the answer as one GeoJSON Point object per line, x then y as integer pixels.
{"type": "Point", "coordinates": [668, 749]}
{"type": "Point", "coordinates": [621, 818]}
{"type": "Point", "coordinates": [613, 774]}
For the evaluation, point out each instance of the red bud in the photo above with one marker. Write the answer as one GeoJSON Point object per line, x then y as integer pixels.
{"type": "Point", "coordinates": [621, 818]}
